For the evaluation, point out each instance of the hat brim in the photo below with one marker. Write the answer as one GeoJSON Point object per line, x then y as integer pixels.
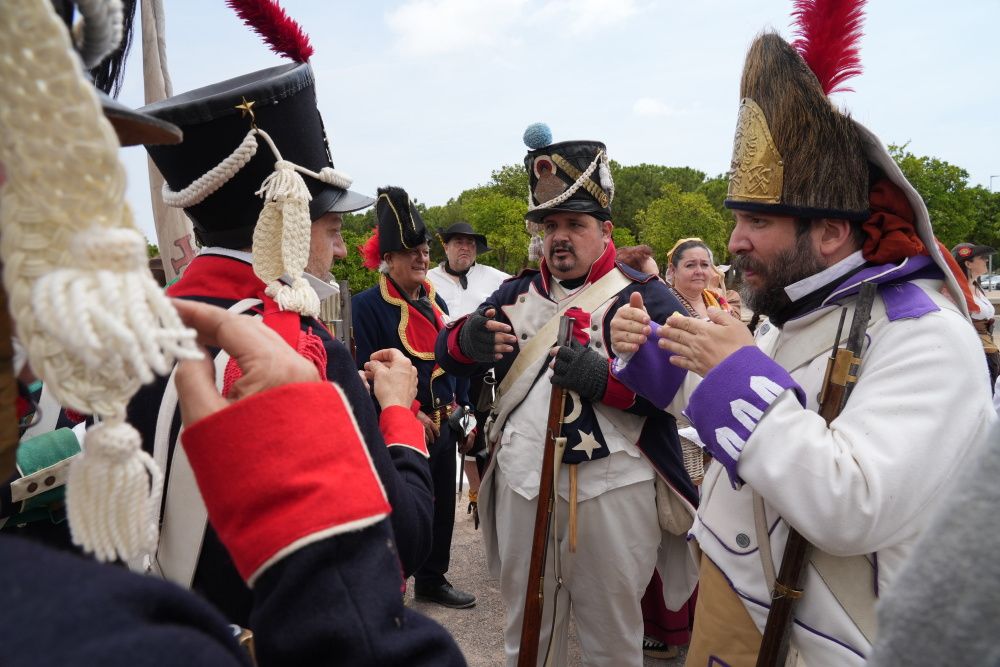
{"type": "Point", "coordinates": [570, 206]}
{"type": "Point", "coordinates": [481, 247]}
{"type": "Point", "coordinates": [135, 128]}
{"type": "Point", "coordinates": [338, 200]}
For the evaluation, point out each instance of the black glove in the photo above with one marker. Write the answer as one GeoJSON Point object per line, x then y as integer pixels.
{"type": "Point", "coordinates": [581, 369]}
{"type": "Point", "coordinates": [475, 340]}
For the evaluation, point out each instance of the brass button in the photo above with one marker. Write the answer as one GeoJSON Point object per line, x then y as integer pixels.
{"type": "Point", "coordinates": [521, 299]}
{"type": "Point", "coordinates": [593, 327]}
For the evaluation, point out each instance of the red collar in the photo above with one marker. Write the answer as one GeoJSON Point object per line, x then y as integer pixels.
{"type": "Point", "coordinates": [601, 266]}
{"type": "Point", "coordinates": [219, 277]}
{"type": "Point", "coordinates": [416, 332]}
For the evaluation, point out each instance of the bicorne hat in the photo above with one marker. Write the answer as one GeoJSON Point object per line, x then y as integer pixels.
{"type": "Point", "coordinates": [398, 226]}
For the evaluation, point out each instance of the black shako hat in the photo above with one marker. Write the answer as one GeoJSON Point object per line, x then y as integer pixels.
{"type": "Point", "coordinates": [215, 120]}
{"type": "Point", "coordinates": [400, 226]}
{"type": "Point", "coordinates": [464, 229]}
{"type": "Point", "coordinates": [569, 176]}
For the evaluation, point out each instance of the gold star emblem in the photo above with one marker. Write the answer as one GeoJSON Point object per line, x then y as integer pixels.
{"type": "Point", "coordinates": [246, 109]}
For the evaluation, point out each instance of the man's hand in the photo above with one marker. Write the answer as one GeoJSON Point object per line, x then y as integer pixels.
{"type": "Point", "coordinates": [465, 446]}
{"type": "Point", "coordinates": [580, 369]}
{"type": "Point", "coordinates": [483, 339]}
{"type": "Point", "coordinates": [431, 430]}
{"type": "Point", "coordinates": [630, 326]}
{"type": "Point", "coordinates": [393, 378]}
{"type": "Point", "coordinates": [700, 346]}
{"type": "Point", "coordinates": [265, 358]}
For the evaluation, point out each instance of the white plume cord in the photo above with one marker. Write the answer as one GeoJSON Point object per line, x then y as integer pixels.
{"type": "Point", "coordinates": [283, 231]}
{"type": "Point", "coordinates": [94, 322]}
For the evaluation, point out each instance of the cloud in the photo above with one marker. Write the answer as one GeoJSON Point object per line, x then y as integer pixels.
{"type": "Point", "coordinates": [588, 16]}
{"type": "Point", "coordinates": [647, 106]}
{"type": "Point", "coordinates": [436, 27]}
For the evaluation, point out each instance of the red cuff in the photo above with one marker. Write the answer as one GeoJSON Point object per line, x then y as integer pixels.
{"type": "Point", "coordinates": [282, 469]}
{"type": "Point", "coordinates": [454, 350]}
{"type": "Point", "coordinates": [401, 428]}
{"type": "Point", "coordinates": [415, 407]}
{"type": "Point", "coordinates": [617, 395]}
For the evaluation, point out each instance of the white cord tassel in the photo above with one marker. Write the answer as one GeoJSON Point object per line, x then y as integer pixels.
{"type": "Point", "coordinates": [92, 319]}
{"type": "Point", "coordinates": [281, 240]}
{"type": "Point", "coordinates": [122, 524]}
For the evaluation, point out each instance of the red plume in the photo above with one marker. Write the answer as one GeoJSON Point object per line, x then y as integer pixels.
{"type": "Point", "coordinates": [370, 255]}
{"type": "Point", "coordinates": [280, 32]}
{"type": "Point", "coordinates": [828, 35]}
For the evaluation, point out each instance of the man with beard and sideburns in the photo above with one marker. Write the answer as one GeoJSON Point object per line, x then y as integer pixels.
{"type": "Point", "coordinates": [616, 442]}
{"type": "Point", "coordinates": [820, 208]}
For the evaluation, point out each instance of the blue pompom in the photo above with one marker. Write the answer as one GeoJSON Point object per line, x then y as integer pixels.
{"type": "Point", "coordinates": [537, 135]}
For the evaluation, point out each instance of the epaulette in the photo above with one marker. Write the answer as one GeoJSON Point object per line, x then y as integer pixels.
{"type": "Point", "coordinates": [525, 273]}
{"type": "Point", "coordinates": [633, 274]}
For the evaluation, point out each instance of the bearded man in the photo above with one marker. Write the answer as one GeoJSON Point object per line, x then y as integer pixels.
{"type": "Point", "coordinates": [820, 209]}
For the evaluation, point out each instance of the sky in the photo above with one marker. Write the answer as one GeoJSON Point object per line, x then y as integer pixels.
{"type": "Point", "coordinates": [433, 95]}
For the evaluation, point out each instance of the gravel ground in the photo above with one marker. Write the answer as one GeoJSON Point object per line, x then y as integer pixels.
{"type": "Point", "coordinates": [479, 630]}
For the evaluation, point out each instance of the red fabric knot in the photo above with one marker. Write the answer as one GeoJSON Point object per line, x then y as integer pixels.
{"type": "Point", "coordinates": [581, 325]}
{"type": "Point", "coordinates": [892, 234]}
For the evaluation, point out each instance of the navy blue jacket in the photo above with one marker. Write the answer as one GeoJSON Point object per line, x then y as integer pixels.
{"type": "Point", "coordinates": [330, 603]}
{"type": "Point", "coordinates": [404, 473]}
{"type": "Point", "coordinates": [383, 319]}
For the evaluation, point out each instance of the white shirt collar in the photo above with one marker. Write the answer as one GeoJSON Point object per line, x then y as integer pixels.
{"type": "Point", "coordinates": [808, 285]}
{"type": "Point", "coordinates": [324, 288]}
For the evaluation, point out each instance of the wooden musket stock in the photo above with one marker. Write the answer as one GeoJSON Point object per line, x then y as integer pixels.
{"type": "Point", "coordinates": [531, 622]}
{"type": "Point", "coordinates": [841, 375]}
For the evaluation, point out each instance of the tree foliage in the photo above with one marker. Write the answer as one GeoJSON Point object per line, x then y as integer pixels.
{"type": "Point", "coordinates": [944, 189]}
{"type": "Point", "coordinates": [656, 205]}
{"type": "Point", "coordinates": [636, 186]}
{"type": "Point", "coordinates": [676, 214]}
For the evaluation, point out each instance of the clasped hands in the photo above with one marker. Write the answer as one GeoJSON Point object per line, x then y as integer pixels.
{"type": "Point", "coordinates": [695, 345]}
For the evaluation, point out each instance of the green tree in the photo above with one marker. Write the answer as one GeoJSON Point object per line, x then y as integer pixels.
{"type": "Point", "coordinates": [944, 189]}
{"type": "Point", "coordinates": [636, 186]}
{"type": "Point", "coordinates": [622, 237]}
{"type": "Point", "coordinates": [715, 191]}
{"type": "Point", "coordinates": [501, 218]}
{"type": "Point", "coordinates": [352, 269]}
{"type": "Point", "coordinates": [676, 214]}
{"type": "Point", "coordinates": [152, 250]}
{"type": "Point", "coordinates": [986, 207]}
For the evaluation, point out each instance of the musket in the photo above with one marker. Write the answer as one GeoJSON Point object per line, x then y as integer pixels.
{"type": "Point", "coordinates": [335, 313]}
{"type": "Point", "coordinates": [841, 376]}
{"type": "Point", "coordinates": [534, 599]}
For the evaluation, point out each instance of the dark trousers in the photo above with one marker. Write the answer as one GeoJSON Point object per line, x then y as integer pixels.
{"type": "Point", "coordinates": [443, 475]}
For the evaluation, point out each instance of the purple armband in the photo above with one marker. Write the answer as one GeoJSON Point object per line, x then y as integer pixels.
{"type": "Point", "coordinates": [732, 399]}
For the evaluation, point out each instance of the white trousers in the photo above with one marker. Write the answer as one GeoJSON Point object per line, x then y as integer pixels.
{"type": "Point", "coordinates": [602, 582]}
